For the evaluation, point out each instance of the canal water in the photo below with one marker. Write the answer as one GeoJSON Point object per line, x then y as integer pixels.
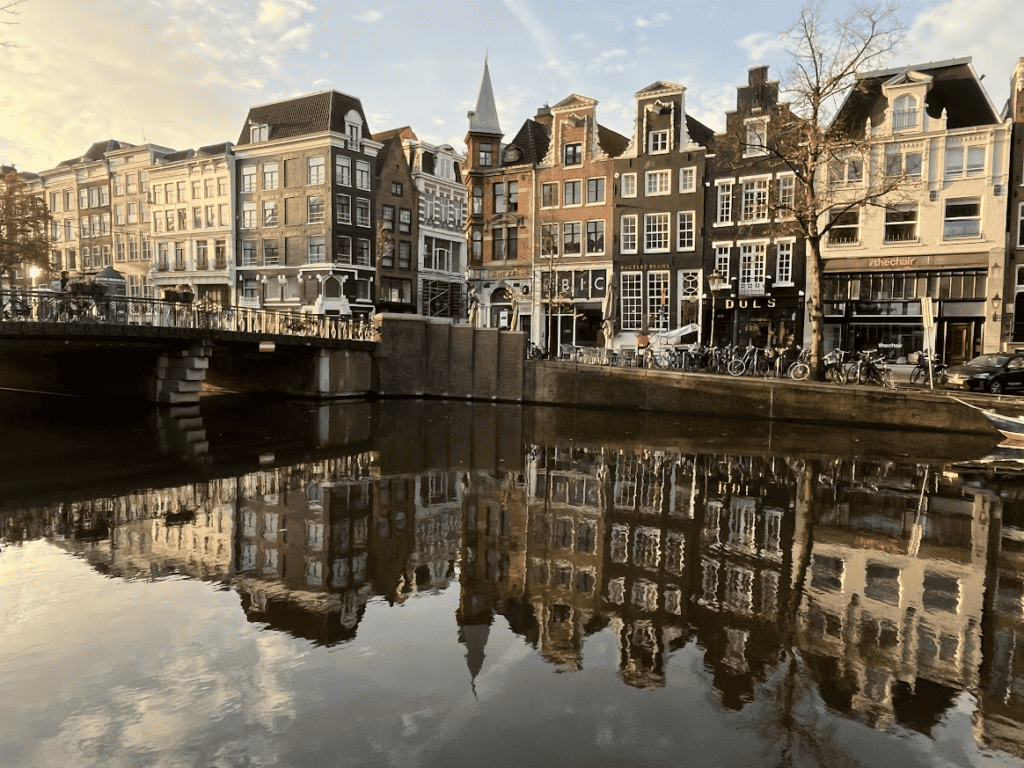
{"type": "Point", "coordinates": [267, 583]}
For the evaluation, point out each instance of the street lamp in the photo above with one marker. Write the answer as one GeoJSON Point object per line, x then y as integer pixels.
{"type": "Point", "coordinates": [33, 272]}
{"type": "Point", "coordinates": [716, 282]}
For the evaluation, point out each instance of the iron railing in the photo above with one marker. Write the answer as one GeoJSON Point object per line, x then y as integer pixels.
{"type": "Point", "coordinates": [66, 308]}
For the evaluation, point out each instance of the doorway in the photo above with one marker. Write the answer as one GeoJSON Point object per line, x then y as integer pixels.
{"type": "Point", "coordinates": [959, 343]}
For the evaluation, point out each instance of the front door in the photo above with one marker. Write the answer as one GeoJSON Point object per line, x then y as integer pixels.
{"type": "Point", "coordinates": [959, 346]}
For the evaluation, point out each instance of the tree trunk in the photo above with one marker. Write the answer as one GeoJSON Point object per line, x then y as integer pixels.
{"type": "Point", "coordinates": [815, 308]}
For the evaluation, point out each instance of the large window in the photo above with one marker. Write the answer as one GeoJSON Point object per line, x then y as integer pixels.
{"type": "Point", "coordinates": [595, 190]}
{"type": "Point", "coordinates": [571, 238]}
{"type": "Point", "coordinates": [549, 196]}
{"type": "Point", "coordinates": [684, 231]}
{"type": "Point", "coordinates": [904, 112]}
{"type": "Point", "coordinates": [270, 178]}
{"type": "Point", "coordinates": [548, 239]}
{"type": "Point", "coordinates": [962, 218]}
{"type": "Point", "coordinates": [687, 180]}
{"type": "Point", "coordinates": [269, 213]}
{"type": "Point", "coordinates": [845, 227]}
{"type": "Point", "coordinates": [362, 212]}
{"type": "Point", "coordinates": [486, 153]}
{"type": "Point", "coordinates": [724, 209]}
{"type": "Point", "coordinates": [658, 299]}
{"type": "Point", "coordinates": [658, 182]}
{"type": "Point", "coordinates": [898, 162]}
{"type": "Point", "coordinates": [317, 249]}
{"type": "Point", "coordinates": [656, 232]}
{"type": "Point", "coordinates": [955, 156]}
{"type": "Point", "coordinates": [755, 200]}
{"type": "Point", "coordinates": [752, 263]}
{"type": "Point", "coordinates": [901, 223]}
{"type": "Point", "coordinates": [362, 175]}
{"type": "Point", "coordinates": [787, 195]}
{"type": "Point", "coordinates": [500, 201]}
{"type": "Point", "coordinates": [632, 301]}
{"type": "Point", "coordinates": [595, 237]}
{"type": "Point", "coordinates": [248, 217]}
{"type": "Point", "coordinates": [722, 259]}
{"type": "Point", "coordinates": [657, 142]}
{"type": "Point", "coordinates": [343, 170]}
{"type": "Point", "coordinates": [271, 255]}
{"type": "Point", "coordinates": [629, 185]}
{"type": "Point", "coordinates": [628, 234]}
{"type": "Point", "coordinates": [248, 181]}
{"type": "Point", "coordinates": [343, 209]}
{"type": "Point", "coordinates": [757, 137]}
{"type": "Point", "coordinates": [784, 264]}
{"type": "Point", "coordinates": [315, 209]}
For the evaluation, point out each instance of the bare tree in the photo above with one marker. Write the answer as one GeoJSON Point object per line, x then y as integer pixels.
{"type": "Point", "coordinates": [818, 146]}
{"type": "Point", "coordinates": [24, 226]}
{"type": "Point", "coordinates": [8, 10]}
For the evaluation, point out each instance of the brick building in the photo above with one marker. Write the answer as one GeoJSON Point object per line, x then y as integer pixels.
{"type": "Point", "coordinates": [397, 226]}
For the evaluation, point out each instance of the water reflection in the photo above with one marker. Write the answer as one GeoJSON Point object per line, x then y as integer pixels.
{"type": "Point", "coordinates": [888, 589]}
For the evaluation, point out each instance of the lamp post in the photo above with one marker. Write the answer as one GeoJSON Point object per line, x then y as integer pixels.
{"type": "Point", "coordinates": [33, 273]}
{"type": "Point", "coordinates": [716, 282]}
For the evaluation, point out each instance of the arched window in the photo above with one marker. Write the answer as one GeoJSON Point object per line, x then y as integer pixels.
{"type": "Point", "coordinates": [904, 112]}
{"type": "Point", "coordinates": [332, 288]}
{"type": "Point", "coordinates": [478, 243]}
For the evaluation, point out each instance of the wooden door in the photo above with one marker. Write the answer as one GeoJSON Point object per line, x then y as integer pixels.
{"type": "Point", "coordinates": [959, 346]}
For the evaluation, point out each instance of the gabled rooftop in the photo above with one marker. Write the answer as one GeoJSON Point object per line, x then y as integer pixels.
{"type": "Point", "coordinates": [304, 115]}
{"type": "Point", "coordinates": [532, 142]}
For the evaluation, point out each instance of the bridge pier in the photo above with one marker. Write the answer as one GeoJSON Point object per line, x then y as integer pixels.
{"type": "Point", "coordinates": [179, 375]}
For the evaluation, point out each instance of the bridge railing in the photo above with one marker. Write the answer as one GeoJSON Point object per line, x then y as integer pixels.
{"type": "Point", "coordinates": [54, 307]}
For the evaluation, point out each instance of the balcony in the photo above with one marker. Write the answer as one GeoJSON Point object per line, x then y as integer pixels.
{"type": "Point", "coordinates": [249, 302]}
{"type": "Point", "coordinates": [751, 288]}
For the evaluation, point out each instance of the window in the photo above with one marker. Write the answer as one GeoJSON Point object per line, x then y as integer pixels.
{"type": "Point", "coordinates": [684, 230]}
{"type": "Point", "coordinates": [404, 255]}
{"type": "Point", "coordinates": [197, 217]}
{"type": "Point", "coordinates": [724, 211]}
{"type": "Point", "coordinates": [271, 255]}
{"type": "Point", "coordinates": [657, 182]}
{"type": "Point", "coordinates": [181, 193]}
{"type": "Point", "coordinates": [118, 190]}
{"type": "Point", "coordinates": [657, 142]}
{"type": "Point", "coordinates": [387, 217]}
{"type": "Point", "coordinates": [133, 213]}
{"type": "Point", "coordinates": [573, 154]}
{"type": "Point", "coordinates": [632, 302]}
{"type": "Point", "coordinates": [657, 299]}
{"type": "Point", "coordinates": [784, 264]}
{"type": "Point", "coordinates": [571, 192]}
{"type": "Point", "coordinates": [197, 189]}
{"type": "Point", "coordinates": [69, 229]}
{"type": "Point", "coordinates": [220, 250]}
{"type": "Point", "coordinates": [904, 112]}
{"type": "Point", "coordinates": [848, 171]}
{"type": "Point", "coordinates": [845, 227]}
{"type": "Point", "coordinates": [899, 163]}
{"type": "Point", "coordinates": [105, 224]}
{"type": "Point", "coordinates": [595, 237]}
{"type": "Point", "coordinates": [162, 257]}
{"type": "Point", "coordinates": [118, 215]}
{"type": "Point", "coordinates": [104, 195]}
{"type": "Point", "coordinates": [513, 196]}
{"type": "Point", "coordinates": [955, 161]}
{"type": "Point", "coordinates": [315, 209]}
{"type": "Point", "coordinates": [478, 200]}
{"type": "Point", "coordinates": [344, 250]}
{"type": "Point", "coordinates": [269, 213]}
{"type": "Point", "coordinates": [259, 133]}
{"type": "Point", "coordinates": [343, 171]}
{"type": "Point", "coordinates": [548, 196]}
{"type": "Point", "coordinates": [202, 255]}
{"type": "Point", "coordinates": [486, 153]}
{"type": "Point", "coordinates": [722, 259]}
{"type": "Point", "coordinates": [755, 200]}
{"type": "Point", "coordinates": [83, 198]}
{"type": "Point", "coordinates": [248, 179]}
{"type": "Point", "coordinates": [571, 238]}
{"type": "Point", "coordinates": [182, 219]}
{"type": "Point", "coordinates": [344, 209]}
{"type": "Point", "coordinates": [901, 223]}
{"type": "Point", "coordinates": [404, 221]}
{"type": "Point", "coordinates": [133, 250]}
{"type": "Point", "coordinates": [752, 262]}
{"type": "Point", "coordinates": [627, 234]}
{"type": "Point", "coordinates": [315, 170]}
{"type": "Point", "coordinates": [498, 239]}
{"type": "Point", "coordinates": [386, 251]}
{"type": "Point", "coordinates": [248, 216]}
{"type": "Point", "coordinates": [223, 214]}
{"type": "Point", "coordinates": [757, 137]}
{"type": "Point", "coordinates": [687, 180]}
{"type": "Point", "coordinates": [595, 190]}
{"type": "Point", "coordinates": [94, 197]}
{"type": "Point", "coordinates": [354, 134]}
{"type": "Point", "coordinates": [211, 215]}
{"type": "Point", "coordinates": [478, 244]}
{"type": "Point", "coordinates": [68, 199]}
{"type": "Point", "coordinates": [208, 188]}
{"type": "Point", "coordinates": [1020, 226]}
{"type": "Point", "coordinates": [548, 239]}
{"type": "Point", "coordinates": [500, 200]}
{"type": "Point", "coordinates": [362, 257]}
{"type": "Point", "coordinates": [506, 243]}
{"type": "Point", "coordinates": [787, 196]}
{"type": "Point", "coordinates": [362, 212]}
{"type": "Point", "coordinates": [396, 189]}
{"type": "Point", "coordinates": [962, 218]}
{"type": "Point", "coordinates": [317, 249]}
{"type": "Point", "coordinates": [629, 185]}
{"type": "Point", "coordinates": [270, 177]}
{"type": "Point", "coordinates": [656, 233]}
{"type": "Point", "coordinates": [362, 175]}
{"type": "Point", "coordinates": [119, 251]}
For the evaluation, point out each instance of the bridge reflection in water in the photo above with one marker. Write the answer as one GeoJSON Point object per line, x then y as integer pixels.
{"type": "Point", "coordinates": [883, 591]}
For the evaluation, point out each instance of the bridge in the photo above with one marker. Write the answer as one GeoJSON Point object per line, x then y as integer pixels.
{"type": "Point", "coordinates": [164, 351]}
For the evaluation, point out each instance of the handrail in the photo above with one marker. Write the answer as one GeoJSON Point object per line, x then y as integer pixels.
{"type": "Point", "coordinates": [66, 308]}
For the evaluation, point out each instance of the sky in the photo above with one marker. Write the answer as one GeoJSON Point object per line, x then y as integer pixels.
{"type": "Point", "coordinates": [183, 73]}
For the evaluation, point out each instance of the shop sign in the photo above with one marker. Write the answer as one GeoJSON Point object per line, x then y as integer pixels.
{"type": "Point", "coordinates": [500, 274]}
{"type": "Point", "coordinates": [578, 284]}
{"type": "Point", "coordinates": [758, 303]}
{"type": "Point", "coordinates": [892, 261]}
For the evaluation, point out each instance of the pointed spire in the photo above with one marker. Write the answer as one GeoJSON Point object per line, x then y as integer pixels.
{"type": "Point", "coordinates": [474, 637]}
{"type": "Point", "coordinates": [484, 119]}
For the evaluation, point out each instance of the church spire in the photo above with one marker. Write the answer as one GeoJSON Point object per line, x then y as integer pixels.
{"type": "Point", "coordinates": [484, 119]}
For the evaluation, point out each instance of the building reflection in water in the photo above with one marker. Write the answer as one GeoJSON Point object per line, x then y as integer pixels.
{"type": "Point", "coordinates": [888, 589]}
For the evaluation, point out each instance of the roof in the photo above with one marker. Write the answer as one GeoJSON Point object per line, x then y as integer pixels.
{"type": "Point", "coordinates": [955, 88]}
{"type": "Point", "coordinates": [404, 133]}
{"type": "Point", "coordinates": [97, 151]}
{"type": "Point", "coordinates": [532, 142]}
{"type": "Point", "coordinates": [304, 115]}
{"type": "Point", "coordinates": [484, 118]}
{"type": "Point", "coordinates": [699, 132]}
{"type": "Point", "coordinates": [389, 143]}
{"type": "Point", "coordinates": [612, 144]}
{"type": "Point", "coordinates": [216, 149]}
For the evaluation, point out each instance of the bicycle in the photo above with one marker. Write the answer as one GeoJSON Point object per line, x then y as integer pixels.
{"type": "Point", "coordinates": [751, 361]}
{"type": "Point", "coordinates": [835, 368]}
{"type": "Point", "coordinates": [871, 369]}
{"type": "Point", "coordinates": [801, 369]}
{"type": "Point", "coordinates": [535, 352]}
{"type": "Point", "coordinates": [920, 372]}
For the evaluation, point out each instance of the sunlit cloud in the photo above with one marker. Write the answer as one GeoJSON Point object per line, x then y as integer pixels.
{"type": "Point", "coordinates": [759, 45]}
{"type": "Point", "coordinates": [368, 16]}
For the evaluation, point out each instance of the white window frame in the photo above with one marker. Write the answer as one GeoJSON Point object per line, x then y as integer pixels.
{"type": "Point", "coordinates": [566, 229]}
{"type": "Point", "coordinates": [362, 210]}
{"type": "Point", "coordinates": [1020, 225]}
{"type": "Point", "coordinates": [946, 219]}
{"type": "Point", "coordinates": [904, 117]}
{"type": "Point", "coordinates": [687, 180]}
{"type": "Point", "coordinates": [604, 187]}
{"type": "Point", "coordinates": [248, 215]}
{"type": "Point", "coordinates": [658, 287]}
{"type": "Point", "coordinates": [586, 238]}
{"type": "Point", "coordinates": [248, 183]}
{"type": "Point", "coordinates": [627, 185]}
{"type": "Point", "coordinates": [897, 224]}
{"type": "Point", "coordinates": [759, 148]}
{"type": "Point", "coordinates": [565, 188]}
{"type": "Point", "coordinates": [628, 235]}
{"type": "Point", "coordinates": [343, 170]}
{"type": "Point", "coordinates": [550, 240]}
{"type": "Point", "coordinates": [658, 142]}
{"type": "Point", "coordinates": [723, 203]}
{"type": "Point", "coordinates": [787, 195]}
{"type": "Point", "coordinates": [657, 182]}
{"type": "Point", "coordinates": [686, 230]}
{"type": "Point", "coordinates": [754, 201]}
{"type": "Point", "coordinates": [657, 226]}
{"type": "Point", "coordinates": [631, 300]}
{"type": "Point", "coordinates": [555, 187]}
{"type": "Point", "coordinates": [722, 258]}
{"type": "Point", "coordinates": [271, 177]}
{"type": "Point", "coordinates": [316, 170]}
{"type": "Point", "coordinates": [363, 175]}
{"type": "Point", "coordinates": [753, 265]}
{"type": "Point", "coordinates": [784, 261]}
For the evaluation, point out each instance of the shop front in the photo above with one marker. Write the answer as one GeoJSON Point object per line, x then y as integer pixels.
{"type": "Point", "coordinates": [764, 321]}
{"type": "Point", "coordinates": [881, 310]}
{"type": "Point", "coordinates": [572, 304]}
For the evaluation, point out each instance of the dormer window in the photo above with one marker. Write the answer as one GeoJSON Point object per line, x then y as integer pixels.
{"type": "Point", "coordinates": [259, 133]}
{"type": "Point", "coordinates": [756, 137]}
{"type": "Point", "coordinates": [657, 142]}
{"type": "Point", "coordinates": [353, 129]}
{"type": "Point", "coordinates": [574, 154]}
{"type": "Point", "coordinates": [904, 114]}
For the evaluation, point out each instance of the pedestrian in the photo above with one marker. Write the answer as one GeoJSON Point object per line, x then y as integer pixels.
{"type": "Point", "coordinates": [64, 280]}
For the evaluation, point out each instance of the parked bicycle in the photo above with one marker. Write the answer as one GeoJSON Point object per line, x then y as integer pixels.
{"type": "Point", "coordinates": [535, 352]}
{"type": "Point", "coordinates": [801, 369]}
{"type": "Point", "coordinates": [871, 368]}
{"type": "Point", "coordinates": [835, 366]}
{"type": "Point", "coordinates": [920, 372]}
{"type": "Point", "coordinates": [751, 361]}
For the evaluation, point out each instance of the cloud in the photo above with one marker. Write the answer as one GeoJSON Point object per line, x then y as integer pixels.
{"type": "Point", "coordinates": [759, 45]}
{"type": "Point", "coordinates": [544, 39]}
{"type": "Point", "coordinates": [369, 16]}
{"type": "Point", "coordinates": [657, 20]}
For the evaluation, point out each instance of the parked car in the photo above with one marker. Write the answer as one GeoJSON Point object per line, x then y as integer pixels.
{"type": "Point", "coordinates": [995, 373]}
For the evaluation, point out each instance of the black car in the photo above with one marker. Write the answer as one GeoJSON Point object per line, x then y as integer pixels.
{"type": "Point", "coordinates": [995, 373]}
